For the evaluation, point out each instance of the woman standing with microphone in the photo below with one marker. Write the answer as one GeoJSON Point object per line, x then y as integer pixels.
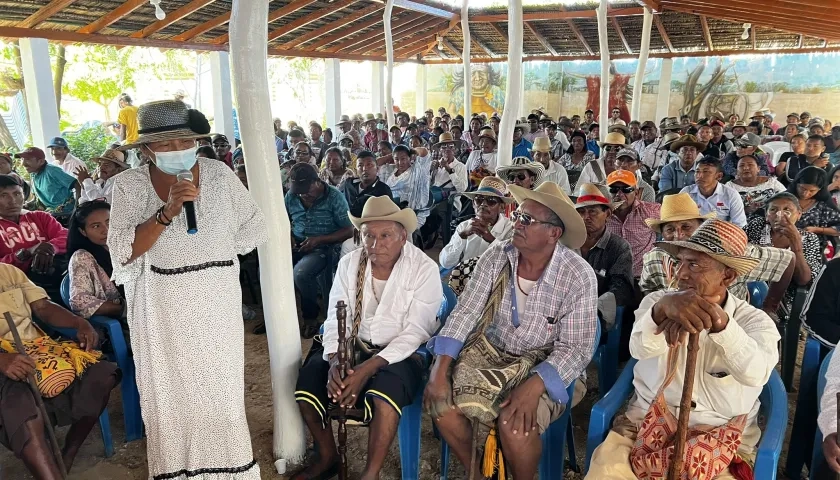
{"type": "Point", "coordinates": [183, 296]}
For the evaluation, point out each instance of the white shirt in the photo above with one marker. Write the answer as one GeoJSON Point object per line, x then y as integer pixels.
{"type": "Point", "coordinates": [406, 314]}
{"type": "Point", "coordinates": [725, 201]}
{"type": "Point", "coordinates": [827, 419]}
{"type": "Point", "coordinates": [523, 289]}
{"type": "Point", "coordinates": [459, 249]}
{"type": "Point", "coordinates": [478, 159]}
{"type": "Point", "coordinates": [457, 179]}
{"type": "Point", "coordinates": [557, 174]}
{"type": "Point", "coordinates": [71, 163]}
{"type": "Point", "coordinates": [564, 140]}
{"type": "Point", "coordinates": [587, 175]}
{"type": "Point", "coordinates": [639, 146]}
{"type": "Point", "coordinates": [95, 190]}
{"type": "Point", "coordinates": [732, 367]}
{"type": "Point", "coordinates": [654, 157]}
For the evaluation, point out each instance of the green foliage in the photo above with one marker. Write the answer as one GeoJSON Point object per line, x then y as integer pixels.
{"type": "Point", "coordinates": [108, 72]}
{"type": "Point", "coordinates": [750, 87]}
{"type": "Point", "coordinates": [175, 65]}
{"type": "Point", "coordinates": [89, 142]}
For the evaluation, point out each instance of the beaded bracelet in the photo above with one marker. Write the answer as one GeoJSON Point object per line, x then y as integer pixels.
{"type": "Point", "coordinates": [159, 216]}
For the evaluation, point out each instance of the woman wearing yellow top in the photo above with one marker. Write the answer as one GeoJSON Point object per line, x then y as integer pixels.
{"type": "Point", "coordinates": [127, 120]}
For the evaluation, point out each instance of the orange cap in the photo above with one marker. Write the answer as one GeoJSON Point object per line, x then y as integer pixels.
{"type": "Point", "coordinates": [623, 176]}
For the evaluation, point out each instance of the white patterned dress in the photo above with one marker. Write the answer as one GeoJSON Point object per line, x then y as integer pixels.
{"type": "Point", "coordinates": [185, 316]}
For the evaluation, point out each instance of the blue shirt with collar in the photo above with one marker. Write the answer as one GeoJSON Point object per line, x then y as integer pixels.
{"type": "Point", "coordinates": [327, 215]}
{"type": "Point", "coordinates": [523, 149]}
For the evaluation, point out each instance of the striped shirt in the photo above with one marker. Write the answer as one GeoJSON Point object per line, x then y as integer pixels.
{"type": "Point", "coordinates": [561, 311]}
{"type": "Point", "coordinates": [327, 215]}
{"type": "Point", "coordinates": [635, 231]}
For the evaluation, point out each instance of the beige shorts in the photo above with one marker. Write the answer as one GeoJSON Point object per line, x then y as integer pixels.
{"type": "Point", "coordinates": [548, 410]}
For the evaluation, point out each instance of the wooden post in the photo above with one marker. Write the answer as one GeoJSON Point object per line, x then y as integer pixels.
{"type": "Point", "coordinates": [685, 407]}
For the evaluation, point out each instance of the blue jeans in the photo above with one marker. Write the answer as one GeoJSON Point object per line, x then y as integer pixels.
{"type": "Point", "coordinates": [307, 267]}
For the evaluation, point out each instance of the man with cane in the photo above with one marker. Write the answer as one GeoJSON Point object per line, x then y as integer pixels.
{"type": "Point", "coordinates": [51, 382]}
{"type": "Point", "coordinates": [733, 347]}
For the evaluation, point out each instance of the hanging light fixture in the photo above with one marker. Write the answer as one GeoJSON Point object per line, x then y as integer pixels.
{"type": "Point", "coordinates": [746, 33]}
{"type": "Point", "coordinates": [159, 13]}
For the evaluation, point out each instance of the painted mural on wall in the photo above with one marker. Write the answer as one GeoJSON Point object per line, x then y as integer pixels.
{"type": "Point", "coordinates": [699, 87]}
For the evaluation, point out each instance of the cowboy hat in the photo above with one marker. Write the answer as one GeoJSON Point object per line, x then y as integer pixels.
{"type": "Point", "coordinates": [613, 138]}
{"type": "Point", "coordinates": [114, 156]}
{"type": "Point", "coordinates": [620, 128]}
{"type": "Point", "coordinates": [667, 140]}
{"type": "Point", "coordinates": [688, 141]}
{"type": "Point", "coordinates": [541, 144]}
{"type": "Point", "coordinates": [721, 240]}
{"type": "Point", "coordinates": [552, 196]}
{"type": "Point", "coordinates": [739, 123]}
{"type": "Point", "coordinates": [546, 118]}
{"type": "Point", "coordinates": [369, 118]}
{"type": "Point", "coordinates": [670, 123]}
{"type": "Point", "coordinates": [168, 120]}
{"type": "Point", "coordinates": [758, 114]}
{"type": "Point", "coordinates": [487, 132]}
{"type": "Point", "coordinates": [648, 124]}
{"type": "Point", "coordinates": [344, 119]}
{"type": "Point", "coordinates": [445, 138]}
{"type": "Point", "coordinates": [383, 208]}
{"type": "Point", "coordinates": [589, 194]}
{"type": "Point", "coordinates": [521, 163]}
{"type": "Point", "coordinates": [403, 114]}
{"type": "Point", "coordinates": [676, 208]}
{"type": "Point", "coordinates": [490, 186]}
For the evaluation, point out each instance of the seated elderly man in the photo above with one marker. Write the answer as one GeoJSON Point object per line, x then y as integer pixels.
{"type": "Point", "coordinates": [400, 295]}
{"type": "Point", "coordinates": [608, 254]}
{"type": "Point", "coordinates": [79, 404]}
{"type": "Point", "coordinates": [679, 218]}
{"type": "Point", "coordinates": [318, 214]}
{"type": "Point", "coordinates": [554, 172]}
{"type": "Point", "coordinates": [474, 236]}
{"type": "Point", "coordinates": [111, 162]}
{"type": "Point", "coordinates": [680, 174]}
{"type": "Point", "coordinates": [737, 352]}
{"type": "Point", "coordinates": [627, 220]}
{"type": "Point", "coordinates": [522, 172]}
{"type": "Point", "coordinates": [712, 196]}
{"type": "Point", "coordinates": [528, 316]}
{"type": "Point", "coordinates": [54, 188]}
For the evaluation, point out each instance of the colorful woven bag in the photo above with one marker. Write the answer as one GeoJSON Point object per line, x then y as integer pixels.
{"type": "Point", "coordinates": [708, 450]}
{"type": "Point", "coordinates": [57, 364]}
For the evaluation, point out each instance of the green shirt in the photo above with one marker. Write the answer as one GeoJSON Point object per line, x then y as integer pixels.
{"type": "Point", "coordinates": [54, 188]}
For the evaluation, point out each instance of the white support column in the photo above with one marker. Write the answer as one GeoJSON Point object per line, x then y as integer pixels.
{"type": "Point", "coordinates": [605, 68]}
{"type": "Point", "coordinates": [377, 87]}
{"type": "Point", "coordinates": [523, 109]}
{"type": "Point", "coordinates": [421, 91]}
{"type": "Point", "coordinates": [664, 98]}
{"type": "Point", "coordinates": [333, 84]}
{"type": "Point", "coordinates": [638, 81]}
{"type": "Point", "coordinates": [465, 56]}
{"type": "Point", "coordinates": [515, 83]}
{"type": "Point", "coordinates": [40, 95]}
{"type": "Point", "coordinates": [222, 93]}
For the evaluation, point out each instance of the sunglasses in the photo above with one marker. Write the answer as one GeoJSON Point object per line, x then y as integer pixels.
{"type": "Point", "coordinates": [220, 145]}
{"type": "Point", "coordinates": [526, 219]}
{"type": "Point", "coordinates": [612, 148]}
{"type": "Point", "coordinates": [625, 190]}
{"type": "Point", "coordinates": [489, 201]}
{"type": "Point", "coordinates": [521, 177]}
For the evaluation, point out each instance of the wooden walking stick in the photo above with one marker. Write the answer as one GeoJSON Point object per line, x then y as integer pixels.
{"type": "Point", "coordinates": [685, 407]}
{"type": "Point", "coordinates": [343, 358]}
{"type": "Point", "coordinates": [59, 460]}
{"type": "Point", "coordinates": [836, 437]}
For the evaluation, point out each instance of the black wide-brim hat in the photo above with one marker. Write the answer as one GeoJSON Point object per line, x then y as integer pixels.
{"type": "Point", "coordinates": [168, 120]}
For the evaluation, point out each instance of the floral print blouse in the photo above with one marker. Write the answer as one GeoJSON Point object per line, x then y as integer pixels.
{"type": "Point", "coordinates": [90, 286]}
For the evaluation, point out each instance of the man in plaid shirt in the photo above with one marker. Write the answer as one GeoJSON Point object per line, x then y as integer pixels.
{"type": "Point", "coordinates": [679, 218]}
{"type": "Point", "coordinates": [628, 218]}
{"type": "Point", "coordinates": [549, 303]}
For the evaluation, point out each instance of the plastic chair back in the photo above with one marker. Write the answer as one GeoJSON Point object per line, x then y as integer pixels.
{"type": "Point", "coordinates": [758, 292]}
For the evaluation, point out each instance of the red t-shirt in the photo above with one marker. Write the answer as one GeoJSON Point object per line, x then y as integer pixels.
{"type": "Point", "coordinates": [32, 229]}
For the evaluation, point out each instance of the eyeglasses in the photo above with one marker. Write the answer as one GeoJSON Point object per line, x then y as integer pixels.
{"type": "Point", "coordinates": [626, 190]}
{"type": "Point", "coordinates": [612, 148]}
{"type": "Point", "coordinates": [521, 177]}
{"type": "Point", "coordinates": [448, 146]}
{"type": "Point", "coordinates": [489, 201]}
{"type": "Point", "coordinates": [526, 219]}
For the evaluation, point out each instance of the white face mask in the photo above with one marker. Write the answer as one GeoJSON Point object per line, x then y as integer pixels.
{"type": "Point", "coordinates": [173, 163]}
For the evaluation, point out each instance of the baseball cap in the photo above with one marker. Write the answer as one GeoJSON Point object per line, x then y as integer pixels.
{"type": "Point", "coordinates": [622, 176]}
{"type": "Point", "coordinates": [220, 138]}
{"type": "Point", "coordinates": [31, 152]}
{"type": "Point", "coordinates": [301, 177]}
{"type": "Point", "coordinates": [648, 124]}
{"type": "Point", "coordinates": [748, 140]}
{"type": "Point", "coordinates": [628, 152]}
{"type": "Point", "coordinates": [58, 142]}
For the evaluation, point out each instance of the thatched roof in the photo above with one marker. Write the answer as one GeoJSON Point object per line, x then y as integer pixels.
{"type": "Point", "coordinates": [429, 31]}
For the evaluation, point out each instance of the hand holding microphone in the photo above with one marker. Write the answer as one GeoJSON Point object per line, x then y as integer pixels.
{"type": "Point", "coordinates": [182, 194]}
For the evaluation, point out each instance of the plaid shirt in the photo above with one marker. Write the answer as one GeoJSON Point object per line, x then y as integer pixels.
{"type": "Point", "coordinates": [561, 311]}
{"type": "Point", "coordinates": [659, 269]}
{"type": "Point", "coordinates": [635, 231]}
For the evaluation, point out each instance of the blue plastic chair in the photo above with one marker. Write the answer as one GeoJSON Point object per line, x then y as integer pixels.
{"type": "Point", "coordinates": [130, 396]}
{"type": "Point", "coordinates": [606, 356]}
{"type": "Point", "coordinates": [445, 271]}
{"type": "Point", "coordinates": [804, 420]}
{"type": "Point", "coordinates": [773, 400]}
{"type": "Point", "coordinates": [554, 441]}
{"type": "Point", "coordinates": [817, 456]}
{"type": "Point", "coordinates": [758, 292]}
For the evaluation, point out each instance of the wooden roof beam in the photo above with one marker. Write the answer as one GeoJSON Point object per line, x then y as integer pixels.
{"type": "Point", "coordinates": [446, 43]}
{"type": "Point", "coordinates": [203, 28]}
{"type": "Point", "coordinates": [113, 16]}
{"type": "Point", "coordinates": [99, 39]}
{"type": "Point", "coordinates": [274, 52]}
{"type": "Point", "coordinates": [654, 5]}
{"type": "Point", "coordinates": [332, 26]}
{"type": "Point", "coordinates": [440, 54]}
{"type": "Point", "coordinates": [753, 28]}
{"type": "Point", "coordinates": [172, 17]}
{"type": "Point", "coordinates": [540, 38]}
{"type": "Point", "coordinates": [480, 44]}
{"type": "Point", "coordinates": [423, 7]}
{"type": "Point", "coordinates": [44, 13]}
{"type": "Point", "coordinates": [620, 32]}
{"type": "Point", "coordinates": [556, 15]}
{"type": "Point", "coordinates": [397, 31]}
{"type": "Point", "coordinates": [706, 34]}
{"type": "Point", "coordinates": [744, 8]}
{"type": "Point", "coordinates": [580, 37]}
{"type": "Point", "coordinates": [309, 18]}
{"type": "Point", "coordinates": [401, 37]}
{"type": "Point", "coordinates": [454, 23]}
{"type": "Point", "coordinates": [273, 16]}
{"type": "Point", "coordinates": [420, 49]}
{"type": "Point", "coordinates": [663, 33]}
{"type": "Point", "coordinates": [342, 34]}
{"type": "Point", "coordinates": [413, 43]}
{"type": "Point", "coordinates": [785, 8]}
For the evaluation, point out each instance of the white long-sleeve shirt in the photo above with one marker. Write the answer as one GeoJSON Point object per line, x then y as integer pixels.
{"type": "Point", "coordinates": [459, 249]}
{"type": "Point", "coordinates": [827, 420]}
{"type": "Point", "coordinates": [732, 367]}
{"type": "Point", "coordinates": [557, 174]}
{"type": "Point", "coordinates": [71, 163]}
{"type": "Point", "coordinates": [405, 316]}
{"type": "Point", "coordinates": [563, 139]}
{"type": "Point", "coordinates": [95, 190]}
{"type": "Point", "coordinates": [478, 159]}
{"type": "Point", "coordinates": [457, 179]}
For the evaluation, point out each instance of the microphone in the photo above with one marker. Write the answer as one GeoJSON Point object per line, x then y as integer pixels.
{"type": "Point", "coordinates": [189, 207]}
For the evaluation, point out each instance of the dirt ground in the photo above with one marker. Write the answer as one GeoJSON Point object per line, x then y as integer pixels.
{"type": "Point", "coordinates": [129, 460]}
